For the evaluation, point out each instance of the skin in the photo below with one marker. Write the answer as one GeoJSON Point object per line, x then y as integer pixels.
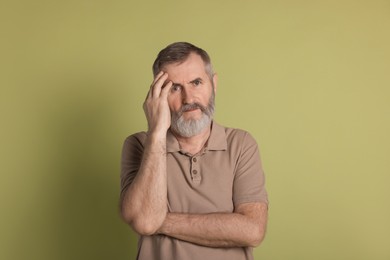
{"type": "Point", "coordinates": [191, 84]}
{"type": "Point", "coordinates": [144, 205]}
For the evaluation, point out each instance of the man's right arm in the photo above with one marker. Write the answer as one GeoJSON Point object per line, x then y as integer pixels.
{"type": "Point", "coordinates": [144, 201]}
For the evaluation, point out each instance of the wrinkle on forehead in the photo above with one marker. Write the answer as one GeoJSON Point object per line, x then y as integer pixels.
{"type": "Point", "coordinates": [185, 72]}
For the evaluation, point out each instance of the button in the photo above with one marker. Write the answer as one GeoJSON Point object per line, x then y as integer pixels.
{"type": "Point", "coordinates": [194, 159]}
{"type": "Point", "coordinates": [195, 172]}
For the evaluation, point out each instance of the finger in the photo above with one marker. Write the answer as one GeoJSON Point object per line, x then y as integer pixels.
{"type": "Point", "coordinates": [159, 85]}
{"type": "Point", "coordinates": [166, 89]}
{"type": "Point", "coordinates": [157, 77]}
{"type": "Point", "coordinates": [149, 95]}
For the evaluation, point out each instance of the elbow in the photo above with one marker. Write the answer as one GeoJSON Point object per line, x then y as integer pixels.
{"type": "Point", "coordinates": [256, 237]}
{"type": "Point", "coordinates": [144, 226]}
{"type": "Point", "coordinates": [256, 241]}
{"type": "Point", "coordinates": [126, 215]}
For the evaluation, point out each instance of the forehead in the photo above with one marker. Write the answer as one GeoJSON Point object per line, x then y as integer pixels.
{"type": "Point", "coordinates": [193, 67]}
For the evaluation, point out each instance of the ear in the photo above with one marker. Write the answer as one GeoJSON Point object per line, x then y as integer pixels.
{"type": "Point", "coordinates": [215, 82]}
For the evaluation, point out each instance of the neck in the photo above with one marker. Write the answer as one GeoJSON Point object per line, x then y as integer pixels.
{"type": "Point", "coordinates": [194, 144]}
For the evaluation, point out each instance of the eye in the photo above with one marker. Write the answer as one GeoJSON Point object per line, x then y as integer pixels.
{"type": "Point", "coordinates": [175, 88]}
{"type": "Point", "coordinates": [197, 82]}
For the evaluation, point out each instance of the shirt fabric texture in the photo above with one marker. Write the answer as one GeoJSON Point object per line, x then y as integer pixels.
{"type": "Point", "coordinates": [226, 173]}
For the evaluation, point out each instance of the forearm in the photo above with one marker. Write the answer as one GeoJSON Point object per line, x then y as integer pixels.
{"type": "Point", "coordinates": [144, 204]}
{"type": "Point", "coordinates": [214, 230]}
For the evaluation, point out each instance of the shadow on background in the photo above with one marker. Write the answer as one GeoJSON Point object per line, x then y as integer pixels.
{"type": "Point", "coordinates": [76, 214]}
{"type": "Point", "coordinates": [89, 225]}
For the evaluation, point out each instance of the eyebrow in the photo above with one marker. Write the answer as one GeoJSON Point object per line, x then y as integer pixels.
{"type": "Point", "coordinates": [197, 79]}
{"type": "Point", "coordinates": [191, 82]}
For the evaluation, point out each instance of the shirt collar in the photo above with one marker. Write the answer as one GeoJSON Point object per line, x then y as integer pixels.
{"type": "Point", "coordinates": [172, 143]}
{"type": "Point", "coordinates": [217, 140]}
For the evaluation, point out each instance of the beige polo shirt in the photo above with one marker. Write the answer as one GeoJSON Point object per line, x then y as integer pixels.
{"type": "Point", "coordinates": [226, 173]}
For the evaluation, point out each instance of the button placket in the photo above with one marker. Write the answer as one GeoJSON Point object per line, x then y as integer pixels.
{"type": "Point", "coordinates": [195, 172]}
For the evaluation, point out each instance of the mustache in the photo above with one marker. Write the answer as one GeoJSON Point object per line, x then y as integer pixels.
{"type": "Point", "coordinates": [188, 107]}
{"type": "Point", "coordinates": [192, 106]}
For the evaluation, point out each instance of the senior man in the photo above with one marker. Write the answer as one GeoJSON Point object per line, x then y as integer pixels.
{"type": "Point", "coordinates": [191, 188]}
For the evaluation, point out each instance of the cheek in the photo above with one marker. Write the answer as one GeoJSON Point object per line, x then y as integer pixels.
{"type": "Point", "coordinates": [206, 97]}
{"type": "Point", "coordinates": [174, 103]}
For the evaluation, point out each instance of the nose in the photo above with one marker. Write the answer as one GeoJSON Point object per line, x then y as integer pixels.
{"type": "Point", "coordinates": [187, 96]}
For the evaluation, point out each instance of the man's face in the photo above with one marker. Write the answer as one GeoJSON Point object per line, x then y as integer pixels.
{"type": "Point", "coordinates": [191, 98]}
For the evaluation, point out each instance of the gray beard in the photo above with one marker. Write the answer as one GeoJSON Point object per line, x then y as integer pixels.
{"type": "Point", "coordinates": [192, 127]}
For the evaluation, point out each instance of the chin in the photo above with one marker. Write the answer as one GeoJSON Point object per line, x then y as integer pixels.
{"type": "Point", "coordinates": [192, 117]}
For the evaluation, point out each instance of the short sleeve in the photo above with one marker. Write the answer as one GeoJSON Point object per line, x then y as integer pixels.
{"type": "Point", "coordinates": [132, 152]}
{"type": "Point", "coordinates": [249, 180]}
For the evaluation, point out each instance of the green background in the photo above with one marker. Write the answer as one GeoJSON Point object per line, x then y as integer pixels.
{"type": "Point", "coordinates": [309, 79]}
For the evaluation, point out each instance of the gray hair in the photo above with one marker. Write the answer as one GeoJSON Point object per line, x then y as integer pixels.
{"type": "Point", "coordinates": [178, 52]}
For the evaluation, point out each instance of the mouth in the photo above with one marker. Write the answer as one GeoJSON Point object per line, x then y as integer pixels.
{"type": "Point", "coordinates": [191, 109]}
